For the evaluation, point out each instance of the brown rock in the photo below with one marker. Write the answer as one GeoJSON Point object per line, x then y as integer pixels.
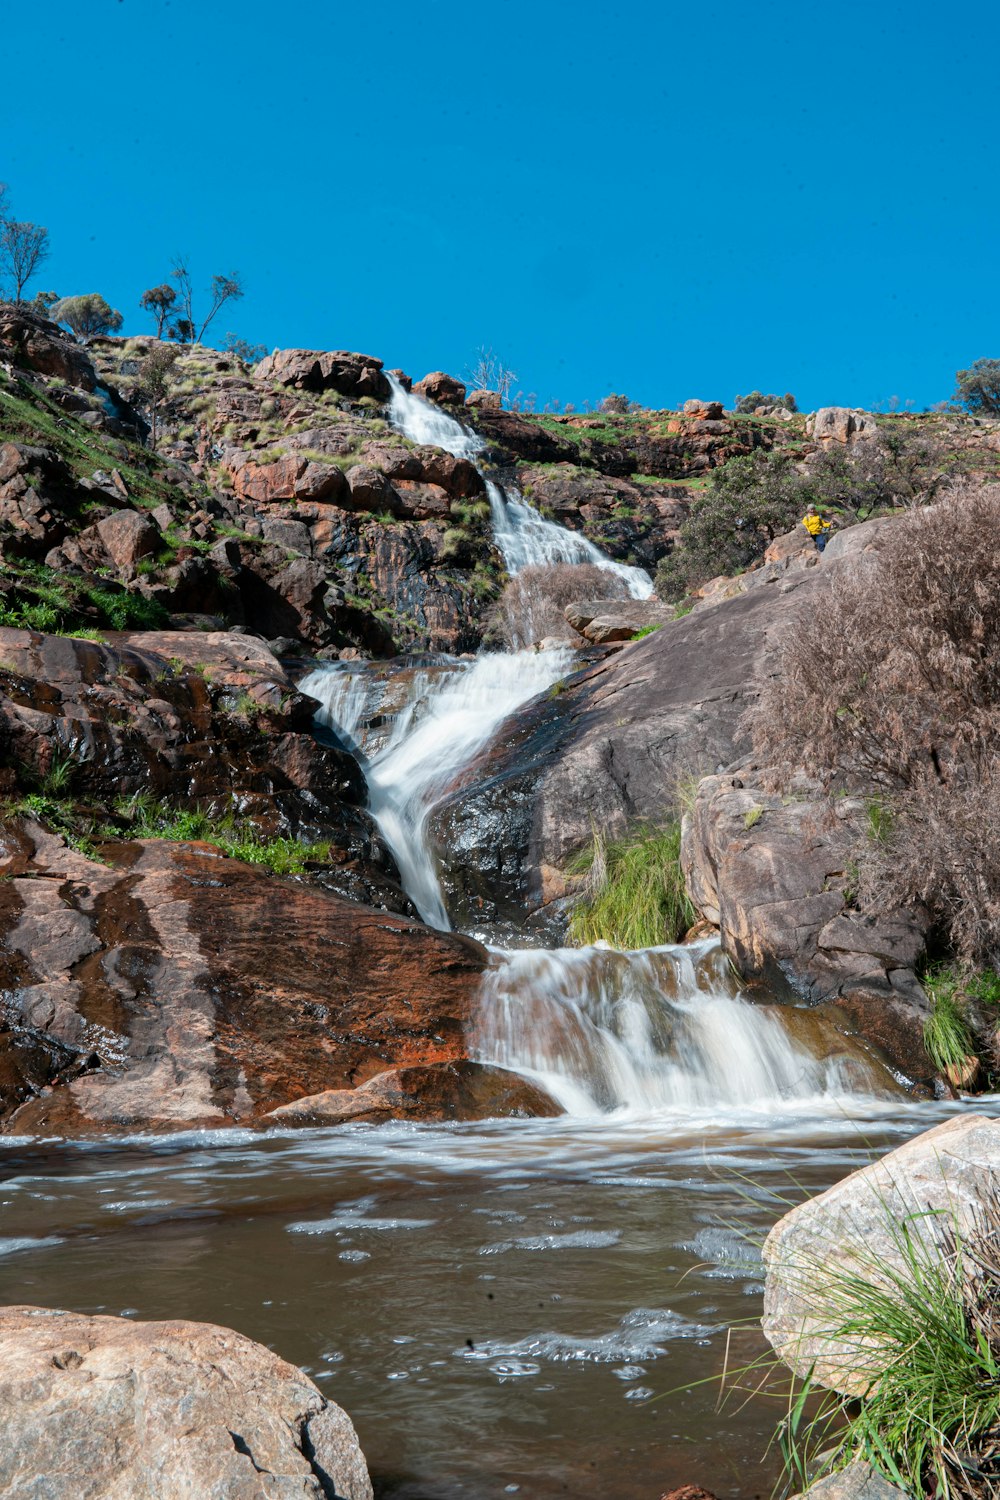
{"type": "Point", "coordinates": [605, 620]}
{"type": "Point", "coordinates": [178, 1410]}
{"type": "Point", "coordinates": [371, 490]}
{"type": "Point", "coordinates": [489, 399]}
{"type": "Point", "coordinates": [704, 411]}
{"type": "Point", "coordinates": [37, 344]}
{"type": "Point", "coordinates": [170, 976]}
{"type": "Point", "coordinates": [289, 478]}
{"type": "Point", "coordinates": [461, 1090]}
{"type": "Point", "coordinates": [841, 425]}
{"type": "Point", "coordinates": [128, 538]}
{"type": "Point", "coordinates": [688, 1492]}
{"type": "Point", "coordinates": [440, 388]}
{"type": "Point", "coordinates": [352, 375]}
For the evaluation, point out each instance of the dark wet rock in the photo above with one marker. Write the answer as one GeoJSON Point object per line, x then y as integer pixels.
{"type": "Point", "coordinates": [111, 1406]}
{"type": "Point", "coordinates": [631, 522]}
{"type": "Point", "coordinates": [433, 1091]}
{"type": "Point", "coordinates": [179, 988]}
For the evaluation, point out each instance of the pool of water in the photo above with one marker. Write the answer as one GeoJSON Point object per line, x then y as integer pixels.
{"type": "Point", "coordinates": [517, 1308]}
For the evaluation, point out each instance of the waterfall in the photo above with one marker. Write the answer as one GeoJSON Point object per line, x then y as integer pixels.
{"type": "Point", "coordinates": [449, 714]}
{"type": "Point", "coordinates": [662, 1030]}
{"type": "Point", "coordinates": [524, 538]}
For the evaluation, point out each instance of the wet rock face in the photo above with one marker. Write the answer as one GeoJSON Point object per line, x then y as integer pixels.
{"type": "Point", "coordinates": [631, 522]}
{"type": "Point", "coordinates": [172, 987]}
{"type": "Point", "coordinates": [431, 1091]}
{"type": "Point", "coordinates": [91, 1406]}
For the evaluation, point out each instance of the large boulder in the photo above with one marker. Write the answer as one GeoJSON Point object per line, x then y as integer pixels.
{"type": "Point", "coordinates": [602, 621]}
{"type": "Point", "coordinates": [841, 426]}
{"type": "Point", "coordinates": [859, 1481]}
{"type": "Point", "coordinates": [316, 370]}
{"type": "Point", "coordinates": [171, 987]}
{"type": "Point", "coordinates": [109, 1408]}
{"type": "Point", "coordinates": [34, 343]}
{"type": "Point", "coordinates": [925, 1192]}
{"type": "Point", "coordinates": [440, 388]}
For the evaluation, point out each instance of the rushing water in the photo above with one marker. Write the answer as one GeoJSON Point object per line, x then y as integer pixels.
{"type": "Point", "coordinates": [524, 538]}
{"type": "Point", "coordinates": [449, 714]}
{"type": "Point", "coordinates": [519, 1307]}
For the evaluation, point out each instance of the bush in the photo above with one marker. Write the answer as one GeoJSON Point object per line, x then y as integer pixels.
{"type": "Point", "coordinates": [749, 501]}
{"type": "Point", "coordinates": [532, 604]}
{"type": "Point", "coordinates": [635, 895]}
{"type": "Point", "coordinates": [87, 315]}
{"type": "Point", "coordinates": [893, 684]}
{"type": "Point", "coordinates": [748, 404]}
{"type": "Point", "coordinates": [978, 388]}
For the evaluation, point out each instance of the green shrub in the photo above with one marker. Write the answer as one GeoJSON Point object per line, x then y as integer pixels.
{"type": "Point", "coordinates": [647, 630]}
{"type": "Point", "coordinates": [635, 895]}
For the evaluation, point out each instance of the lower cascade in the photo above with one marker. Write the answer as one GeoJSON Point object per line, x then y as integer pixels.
{"type": "Point", "coordinates": [659, 1030]}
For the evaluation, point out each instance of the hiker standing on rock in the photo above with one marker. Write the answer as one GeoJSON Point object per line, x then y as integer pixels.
{"type": "Point", "coordinates": [816, 527]}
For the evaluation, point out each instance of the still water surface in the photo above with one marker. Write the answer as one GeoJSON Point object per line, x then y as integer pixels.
{"type": "Point", "coordinates": [506, 1308]}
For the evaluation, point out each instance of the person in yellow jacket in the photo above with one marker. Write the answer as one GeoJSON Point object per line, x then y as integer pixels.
{"type": "Point", "coordinates": [817, 528]}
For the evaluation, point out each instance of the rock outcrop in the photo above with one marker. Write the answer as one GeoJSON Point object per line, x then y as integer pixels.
{"type": "Point", "coordinates": [437, 1091]}
{"type": "Point", "coordinates": [925, 1191]}
{"type": "Point", "coordinates": [773, 873]}
{"type": "Point", "coordinates": [171, 987]}
{"type": "Point", "coordinates": [317, 370]}
{"type": "Point", "coordinates": [841, 426]}
{"type": "Point", "coordinates": [108, 1407]}
{"type": "Point", "coordinates": [442, 389]}
{"type": "Point", "coordinates": [602, 621]}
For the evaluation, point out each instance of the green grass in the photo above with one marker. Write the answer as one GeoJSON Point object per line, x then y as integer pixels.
{"type": "Point", "coordinates": [924, 1328]}
{"type": "Point", "coordinates": [948, 1035]}
{"type": "Point", "coordinates": [647, 630]}
{"type": "Point", "coordinates": [145, 818]}
{"type": "Point", "coordinates": [635, 895]}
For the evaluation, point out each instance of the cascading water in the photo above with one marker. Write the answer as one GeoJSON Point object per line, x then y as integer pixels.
{"type": "Point", "coordinates": [524, 538]}
{"type": "Point", "coordinates": [602, 1031]}
{"type": "Point", "coordinates": [450, 714]}
{"type": "Point", "coordinates": [661, 1030]}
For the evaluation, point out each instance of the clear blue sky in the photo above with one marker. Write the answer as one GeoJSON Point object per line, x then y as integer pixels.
{"type": "Point", "coordinates": [650, 197]}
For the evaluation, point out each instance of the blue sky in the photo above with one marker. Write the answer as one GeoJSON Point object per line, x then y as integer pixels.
{"type": "Point", "coordinates": [663, 199]}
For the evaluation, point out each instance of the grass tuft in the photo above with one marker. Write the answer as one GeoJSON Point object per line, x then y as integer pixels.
{"type": "Point", "coordinates": [635, 894]}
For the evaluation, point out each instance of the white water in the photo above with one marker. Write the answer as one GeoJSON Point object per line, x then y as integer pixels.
{"type": "Point", "coordinates": [645, 1034]}
{"type": "Point", "coordinates": [654, 1032]}
{"type": "Point", "coordinates": [524, 538]}
{"type": "Point", "coordinates": [449, 716]}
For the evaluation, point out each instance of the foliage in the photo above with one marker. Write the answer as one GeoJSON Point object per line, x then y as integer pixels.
{"type": "Point", "coordinates": [489, 372]}
{"type": "Point", "coordinates": [618, 404]}
{"type": "Point", "coordinates": [635, 895]}
{"type": "Point", "coordinates": [947, 1039]}
{"type": "Point", "coordinates": [894, 684]}
{"type": "Point", "coordinates": [159, 300]}
{"type": "Point", "coordinates": [978, 388]}
{"type": "Point", "coordinates": [749, 404]}
{"type": "Point", "coordinates": [533, 604]}
{"type": "Point", "coordinates": [645, 630]}
{"type": "Point", "coordinates": [244, 351]}
{"type": "Point", "coordinates": [87, 315]}
{"type": "Point", "coordinates": [146, 818]}
{"type": "Point", "coordinates": [153, 383]}
{"type": "Point", "coordinates": [927, 1332]}
{"type": "Point", "coordinates": [750, 501]}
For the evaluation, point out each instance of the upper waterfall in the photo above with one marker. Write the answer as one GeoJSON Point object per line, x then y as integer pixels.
{"type": "Point", "coordinates": [524, 537]}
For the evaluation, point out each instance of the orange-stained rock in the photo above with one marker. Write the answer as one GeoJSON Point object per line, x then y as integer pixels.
{"type": "Point", "coordinates": [443, 389]}
{"type": "Point", "coordinates": [174, 988]}
{"type": "Point", "coordinates": [462, 1090]}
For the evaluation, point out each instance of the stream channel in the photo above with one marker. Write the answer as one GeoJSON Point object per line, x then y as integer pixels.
{"type": "Point", "coordinates": [520, 1307]}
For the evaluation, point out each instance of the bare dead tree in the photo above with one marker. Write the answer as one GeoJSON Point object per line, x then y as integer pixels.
{"type": "Point", "coordinates": [23, 249]}
{"type": "Point", "coordinates": [223, 289]}
{"type": "Point", "coordinates": [489, 373]}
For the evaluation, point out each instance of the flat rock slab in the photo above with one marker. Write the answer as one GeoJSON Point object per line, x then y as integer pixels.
{"type": "Point", "coordinates": [928, 1188]}
{"type": "Point", "coordinates": [111, 1409]}
{"type": "Point", "coordinates": [856, 1482]}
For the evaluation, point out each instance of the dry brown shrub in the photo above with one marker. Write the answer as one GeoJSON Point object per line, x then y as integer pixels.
{"type": "Point", "coordinates": [894, 686]}
{"type": "Point", "coordinates": [531, 606]}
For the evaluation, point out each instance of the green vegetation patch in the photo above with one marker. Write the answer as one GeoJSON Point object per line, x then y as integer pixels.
{"type": "Point", "coordinates": [635, 895]}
